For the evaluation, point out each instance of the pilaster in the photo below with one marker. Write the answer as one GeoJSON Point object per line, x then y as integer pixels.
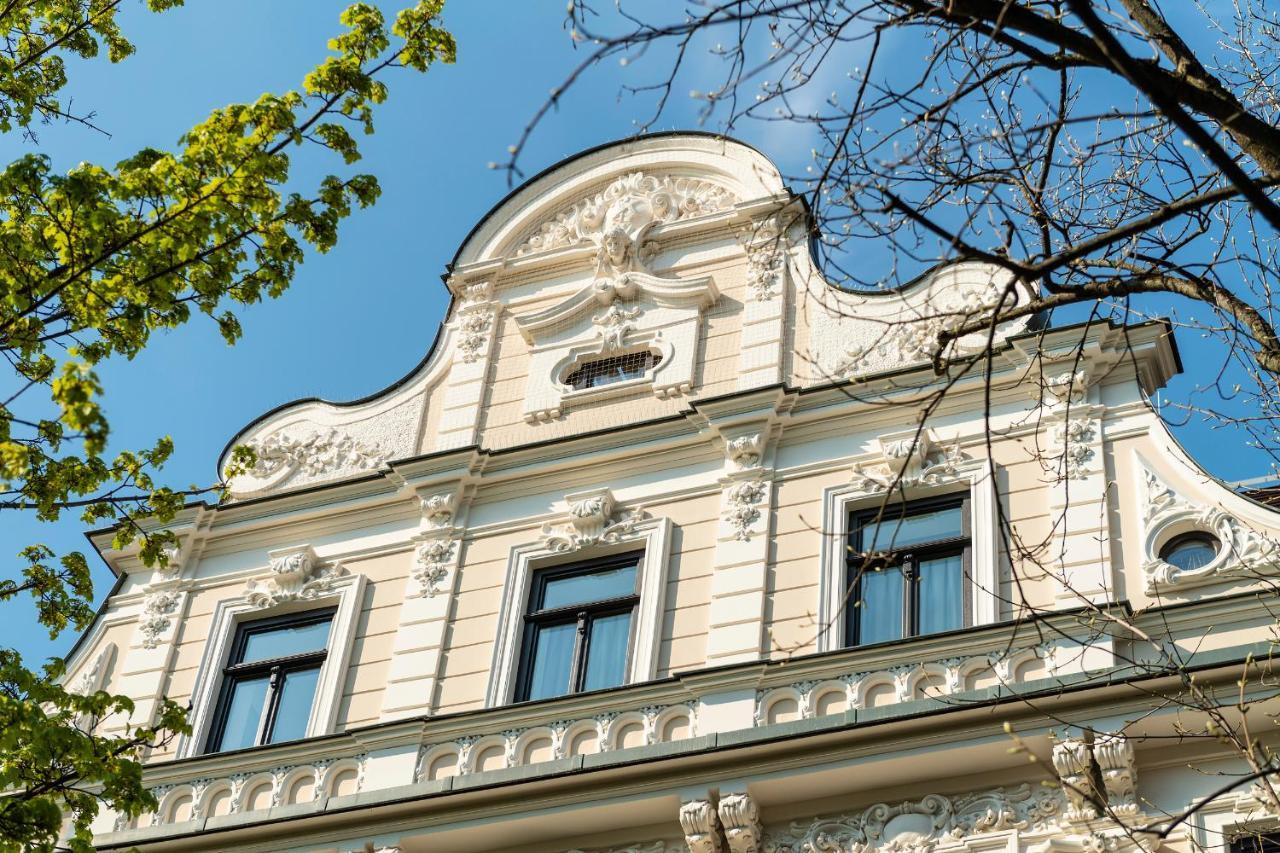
{"type": "Point", "coordinates": [437, 555]}
{"type": "Point", "coordinates": [764, 305]}
{"type": "Point", "coordinates": [1080, 554]}
{"type": "Point", "coordinates": [747, 432]}
{"type": "Point", "coordinates": [473, 330]}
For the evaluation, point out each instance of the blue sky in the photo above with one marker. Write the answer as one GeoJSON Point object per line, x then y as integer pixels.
{"type": "Point", "coordinates": [358, 318]}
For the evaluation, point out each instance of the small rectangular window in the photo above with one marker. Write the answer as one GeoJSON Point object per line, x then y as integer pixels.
{"type": "Point", "coordinates": [578, 627]}
{"type": "Point", "coordinates": [269, 683]}
{"type": "Point", "coordinates": [907, 566]}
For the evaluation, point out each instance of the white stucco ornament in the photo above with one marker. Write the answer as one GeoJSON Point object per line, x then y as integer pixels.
{"type": "Point", "coordinates": [1242, 552]}
{"type": "Point", "coordinates": [293, 574]}
{"type": "Point", "coordinates": [617, 217]}
{"type": "Point", "coordinates": [921, 825]}
{"type": "Point", "coordinates": [314, 452]}
{"type": "Point", "coordinates": [432, 560]}
{"type": "Point", "coordinates": [593, 520]}
{"type": "Point", "coordinates": [908, 459]}
{"type": "Point", "coordinates": [742, 509]}
{"type": "Point", "coordinates": [158, 609]}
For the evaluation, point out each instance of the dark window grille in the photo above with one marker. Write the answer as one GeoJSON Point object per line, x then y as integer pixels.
{"type": "Point", "coordinates": [615, 368]}
{"type": "Point", "coordinates": [908, 570]}
{"type": "Point", "coordinates": [269, 682]}
{"type": "Point", "coordinates": [1256, 842]}
{"type": "Point", "coordinates": [578, 627]}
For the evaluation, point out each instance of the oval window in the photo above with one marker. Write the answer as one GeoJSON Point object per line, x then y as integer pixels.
{"type": "Point", "coordinates": [1190, 551]}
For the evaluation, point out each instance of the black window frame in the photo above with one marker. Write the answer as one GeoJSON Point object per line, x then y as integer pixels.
{"type": "Point", "coordinates": [583, 614]}
{"type": "Point", "coordinates": [909, 558]}
{"type": "Point", "coordinates": [234, 672]}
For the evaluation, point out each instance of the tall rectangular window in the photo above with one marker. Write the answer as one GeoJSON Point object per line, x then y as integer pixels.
{"type": "Point", "coordinates": [907, 566]}
{"type": "Point", "coordinates": [269, 683]}
{"type": "Point", "coordinates": [578, 627]}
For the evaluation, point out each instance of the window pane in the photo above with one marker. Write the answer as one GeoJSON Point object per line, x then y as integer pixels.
{"type": "Point", "coordinates": [880, 610]}
{"type": "Point", "coordinates": [607, 651]}
{"type": "Point", "coordinates": [284, 641]}
{"type": "Point", "coordinates": [941, 594]}
{"type": "Point", "coordinates": [892, 533]}
{"type": "Point", "coordinates": [597, 586]}
{"type": "Point", "coordinates": [552, 660]}
{"type": "Point", "coordinates": [244, 711]}
{"type": "Point", "coordinates": [296, 695]}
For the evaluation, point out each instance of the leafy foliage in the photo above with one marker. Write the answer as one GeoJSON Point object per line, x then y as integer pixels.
{"type": "Point", "coordinates": [92, 262]}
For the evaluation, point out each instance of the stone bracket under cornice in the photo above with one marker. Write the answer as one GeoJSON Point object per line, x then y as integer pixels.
{"type": "Point", "coordinates": [1069, 360]}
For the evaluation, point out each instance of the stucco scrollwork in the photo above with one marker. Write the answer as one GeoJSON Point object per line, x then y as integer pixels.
{"type": "Point", "coordinates": [593, 520]}
{"type": "Point", "coordinates": [293, 574]}
{"type": "Point", "coordinates": [613, 326]}
{"type": "Point", "coordinates": [639, 847]}
{"type": "Point", "coordinates": [314, 453]}
{"type": "Point", "coordinates": [95, 674]}
{"type": "Point", "coordinates": [920, 825]}
{"type": "Point", "coordinates": [908, 460]}
{"type": "Point", "coordinates": [1242, 551]}
{"type": "Point", "coordinates": [916, 335]}
{"type": "Point", "coordinates": [625, 208]}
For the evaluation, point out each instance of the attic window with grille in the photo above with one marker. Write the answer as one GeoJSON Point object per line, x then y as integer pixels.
{"type": "Point", "coordinates": [612, 369]}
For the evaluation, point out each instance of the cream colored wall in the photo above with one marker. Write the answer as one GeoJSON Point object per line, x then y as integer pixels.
{"type": "Point", "coordinates": [473, 625]}
{"type": "Point", "coordinates": [502, 422]}
{"type": "Point", "coordinates": [375, 634]}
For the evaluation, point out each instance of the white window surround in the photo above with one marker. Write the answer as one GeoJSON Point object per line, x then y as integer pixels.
{"type": "Point", "coordinates": [653, 535]}
{"type": "Point", "coordinates": [1228, 817]}
{"type": "Point", "coordinates": [581, 354]}
{"type": "Point", "coordinates": [345, 591]}
{"type": "Point", "coordinates": [975, 476]}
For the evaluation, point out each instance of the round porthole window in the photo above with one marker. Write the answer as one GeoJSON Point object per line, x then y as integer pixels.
{"type": "Point", "coordinates": [1190, 551]}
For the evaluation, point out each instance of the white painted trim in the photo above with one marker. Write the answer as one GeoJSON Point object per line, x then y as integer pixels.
{"type": "Point", "coordinates": [977, 476]}
{"type": "Point", "coordinates": [346, 591]}
{"type": "Point", "coordinates": [1227, 817]}
{"type": "Point", "coordinates": [652, 534]}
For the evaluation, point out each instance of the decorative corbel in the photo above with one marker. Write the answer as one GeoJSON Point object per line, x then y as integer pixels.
{"type": "Point", "coordinates": [1118, 764]}
{"type": "Point", "coordinates": [439, 540]}
{"type": "Point", "coordinates": [1097, 771]}
{"type": "Point", "coordinates": [741, 821]}
{"type": "Point", "coordinates": [701, 826]}
{"type": "Point", "coordinates": [1073, 761]}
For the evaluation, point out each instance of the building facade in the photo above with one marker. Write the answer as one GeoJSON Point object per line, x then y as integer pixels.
{"type": "Point", "coordinates": [669, 544]}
